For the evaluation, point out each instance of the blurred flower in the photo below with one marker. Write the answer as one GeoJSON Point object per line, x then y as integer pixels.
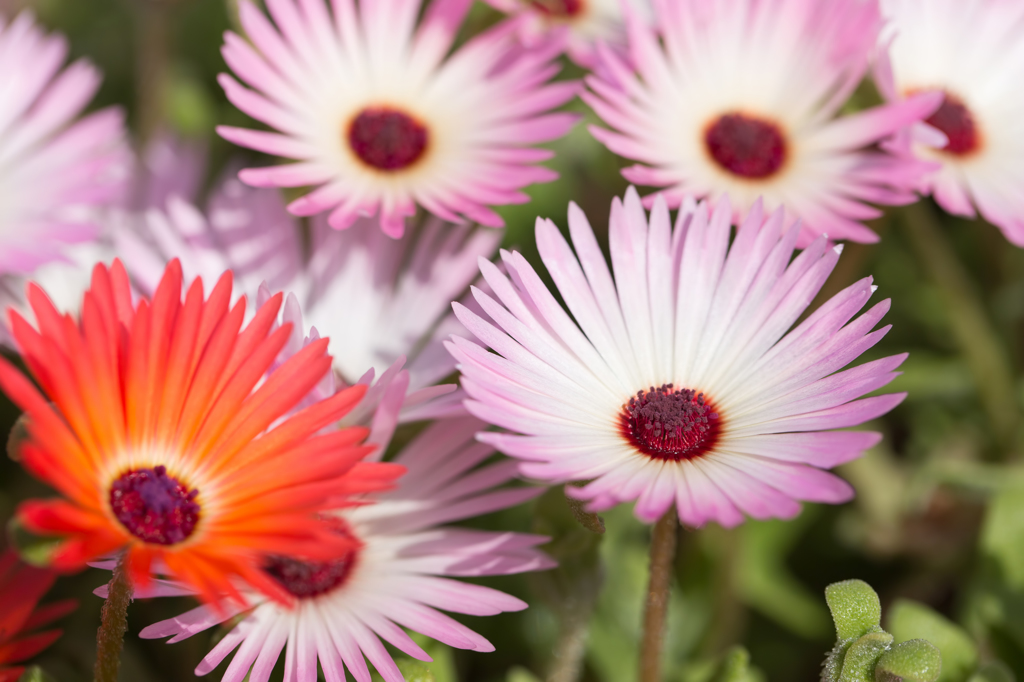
{"type": "Point", "coordinates": [377, 298]}
{"type": "Point", "coordinates": [584, 23]}
{"type": "Point", "coordinates": [167, 435]}
{"type": "Point", "coordinates": [972, 52]}
{"type": "Point", "coordinates": [21, 588]}
{"type": "Point", "coordinates": [169, 168]}
{"type": "Point", "coordinates": [54, 173]}
{"type": "Point", "coordinates": [680, 385]}
{"type": "Point", "coordinates": [739, 99]}
{"type": "Point", "coordinates": [382, 121]}
{"type": "Point", "coordinates": [398, 574]}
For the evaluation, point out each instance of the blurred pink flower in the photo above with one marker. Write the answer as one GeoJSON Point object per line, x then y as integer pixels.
{"type": "Point", "coordinates": [55, 172]}
{"type": "Point", "coordinates": [378, 299]}
{"type": "Point", "coordinates": [399, 577]}
{"type": "Point", "coordinates": [972, 52]}
{"type": "Point", "coordinates": [676, 382]}
{"type": "Point", "coordinates": [739, 98]}
{"type": "Point", "coordinates": [580, 24]}
{"type": "Point", "coordinates": [382, 119]}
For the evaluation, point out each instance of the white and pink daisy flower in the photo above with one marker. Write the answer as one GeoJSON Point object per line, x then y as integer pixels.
{"type": "Point", "coordinates": [971, 51]}
{"type": "Point", "coordinates": [739, 98]}
{"type": "Point", "coordinates": [169, 168]}
{"type": "Point", "coordinates": [56, 173]}
{"type": "Point", "coordinates": [378, 299]}
{"type": "Point", "coordinates": [400, 576]}
{"type": "Point", "coordinates": [675, 381]}
{"type": "Point", "coordinates": [580, 24]}
{"type": "Point", "coordinates": [382, 119]}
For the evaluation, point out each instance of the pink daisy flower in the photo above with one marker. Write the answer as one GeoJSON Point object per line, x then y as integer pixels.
{"type": "Point", "coordinates": [677, 383]}
{"type": "Point", "coordinates": [55, 172]}
{"type": "Point", "coordinates": [399, 576]}
{"type": "Point", "coordinates": [378, 299]}
{"type": "Point", "coordinates": [581, 24]}
{"type": "Point", "coordinates": [382, 119]}
{"type": "Point", "coordinates": [739, 98]}
{"type": "Point", "coordinates": [972, 52]}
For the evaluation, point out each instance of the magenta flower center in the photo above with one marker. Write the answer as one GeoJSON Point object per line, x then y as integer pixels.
{"type": "Point", "coordinates": [559, 8]}
{"type": "Point", "coordinates": [746, 146]}
{"type": "Point", "coordinates": [155, 507]}
{"type": "Point", "coordinates": [670, 424]}
{"type": "Point", "coordinates": [387, 139]}
{"type": "Point", "coordinates": [307, 579]}
{"type": "Point", "coordinates": [954, 119]}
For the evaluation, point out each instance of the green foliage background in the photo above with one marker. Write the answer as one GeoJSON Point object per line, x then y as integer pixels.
{"type": "Point", "coordinates": [939, 514]}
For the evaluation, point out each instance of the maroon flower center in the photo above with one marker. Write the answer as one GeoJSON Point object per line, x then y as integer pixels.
{"type": "Point", "coordinates": [558, 8]}
{"type": "Point", "coordinates": [154, 507]}
{"type": "Point", "coordinates": [387, 139]}
{"type": "Point", "coordinates": [954, 119]}
{"type": "Point", "coordinates": [670, 424]}
{"type": "Point", "coordinates": [307, 579]}
{"type": "Point", "coordinates": [746, 146]}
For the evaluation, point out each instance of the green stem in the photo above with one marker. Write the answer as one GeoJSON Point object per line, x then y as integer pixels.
{"type": "Point", "coordinates": [113, 624]}
{"type": "Point", "coordinates": [968, 322]}
{"type": "Point", "coordinates": [663, 552]}
{"type": "Point", "coordinates": [153, 57]}
{"type": "Point", "coordinates": [570, 647]}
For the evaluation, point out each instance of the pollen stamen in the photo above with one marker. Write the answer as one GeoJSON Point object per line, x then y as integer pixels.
{"type": "Point", "coordinates": [670, 424]}
{"type": "Point", "coordinates": [308, 579]}
{"type": "Point", "coordinates": [747, 146]}
{"type": "Point", "coordinates": [155, 507]}
{"type": "Point", "coordinates": [387, 139]}
{"type": "Point", "coordinates": [954, 119]}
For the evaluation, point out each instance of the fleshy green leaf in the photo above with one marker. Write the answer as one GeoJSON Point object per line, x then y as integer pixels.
{"type": "Point", "coordinates": [916, 660]}
{"type": "Point", "coordinates": [912, 620]}
{"type": "Point", "coordinates": [862, 656]}
{"type": "Point", "coordinates": [855, 608]}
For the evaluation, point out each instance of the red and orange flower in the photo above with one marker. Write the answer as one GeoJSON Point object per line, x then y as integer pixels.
{"type": "Point", "coordinates": [172, 440]}
{"type": "Point", "coordinates": [21, 588]}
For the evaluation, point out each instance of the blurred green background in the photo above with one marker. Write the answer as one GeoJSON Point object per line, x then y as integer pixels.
{"type": "Point", "coordinates": [939, 515]}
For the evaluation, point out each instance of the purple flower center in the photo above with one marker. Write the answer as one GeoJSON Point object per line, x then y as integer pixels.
{"type": "Point", "coordinates": [954, 119]}
{"type": "Point", "coordinates": [746, 146]}
{"type": "Point", "coordinates": [154, 507]}
{"type": "Point", "coordinates": [670, 424]}
{"type": "Point", "coordinates": [387, 139]}
{"type": "Point", "coordinates": [558, 8]}
{"type": "Point", "coordinates": [306, 579]}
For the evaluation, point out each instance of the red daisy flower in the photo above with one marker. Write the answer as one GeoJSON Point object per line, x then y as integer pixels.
{"type": "Point", "coordinates": [171, 440]}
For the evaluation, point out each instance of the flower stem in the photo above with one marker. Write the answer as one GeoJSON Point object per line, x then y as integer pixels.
{"type": "Point", "coordinates": [663, 552]}
{"type": "Point", "coordinates": [113, 624]}
{"type": "Point", "coordinates": [152, 62]}
{"type": "Point", "coordinates": [968, 322]}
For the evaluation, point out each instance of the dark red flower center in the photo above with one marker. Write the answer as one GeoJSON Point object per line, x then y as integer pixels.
{"type": "Point", "coordinates": [307, 579]}
{"type": "Point", "coordinates": [155, 507]}
{"type": "Point", "coordinates": [670, 424]}
{"type": "Point", "coordinates": [954, 119]}
{"type": "Point", "coordinates": [558, 8]}
{"type": "Point", "coordinates": [745, 145]}
{"type": "Point", "coordinates": [387, 139]}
